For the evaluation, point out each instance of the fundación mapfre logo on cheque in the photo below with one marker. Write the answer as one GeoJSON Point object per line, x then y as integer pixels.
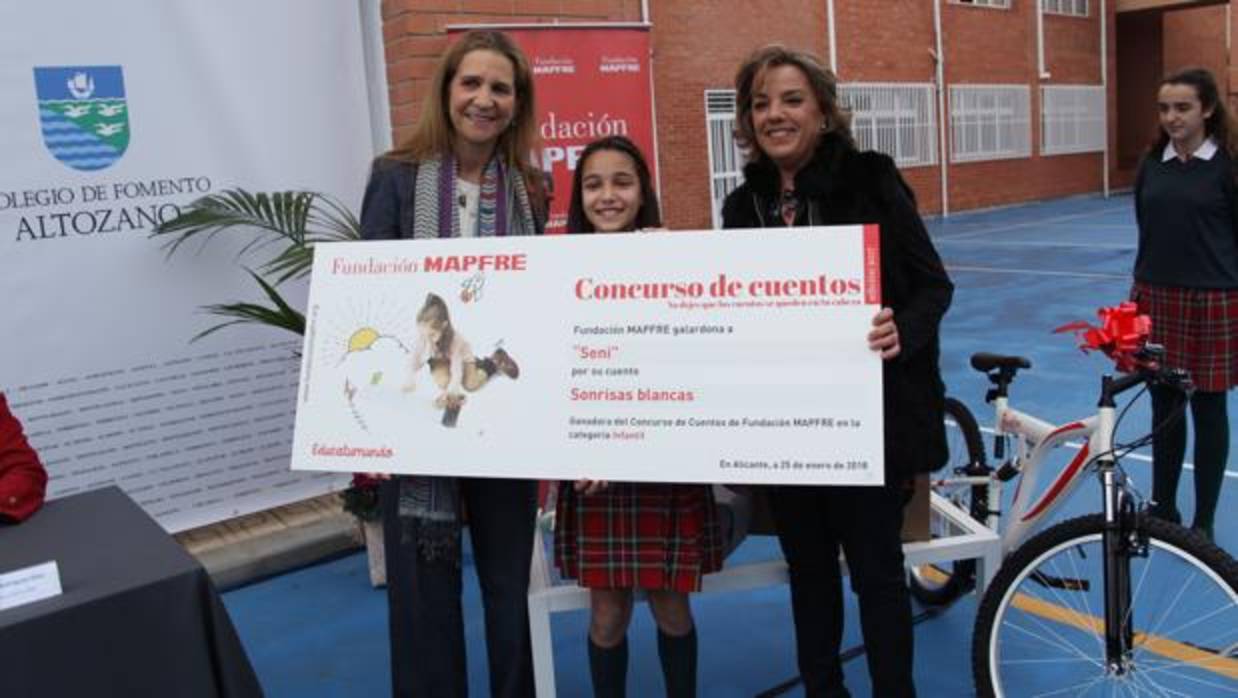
{"type": "Point", "coordinates": [83, 114]}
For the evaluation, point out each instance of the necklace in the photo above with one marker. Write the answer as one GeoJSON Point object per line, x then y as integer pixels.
{"type": "Point", "coordinates": [788, 204]}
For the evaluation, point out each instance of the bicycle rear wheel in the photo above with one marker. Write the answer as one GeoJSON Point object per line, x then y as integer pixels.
{"type": "Point", "coordinates": [934, 585]}
{"type": "Point", "coordinates": [1040, 628]}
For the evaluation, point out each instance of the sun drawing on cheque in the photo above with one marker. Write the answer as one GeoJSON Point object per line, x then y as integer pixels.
{"type": "Point", "coordinates": [370, 360]}
{"type": "Point", "coordinates": [362, 339]}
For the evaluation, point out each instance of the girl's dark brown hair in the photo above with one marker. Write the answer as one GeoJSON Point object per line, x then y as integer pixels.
{"type": "Point", "coordinates": [1219, 125]}
{"type": "Point", "coordinates": [649, 215]}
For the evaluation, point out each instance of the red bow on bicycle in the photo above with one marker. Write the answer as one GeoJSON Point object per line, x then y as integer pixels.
{"type": "Point", "coordinates": [1121, 334]}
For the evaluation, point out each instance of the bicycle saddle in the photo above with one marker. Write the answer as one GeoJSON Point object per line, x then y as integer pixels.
{"type": "Point", "coordinates": [985, 362]}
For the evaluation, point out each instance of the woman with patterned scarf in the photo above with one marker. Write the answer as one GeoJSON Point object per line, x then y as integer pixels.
{"type": "Point", "coordinates": [464, 173]}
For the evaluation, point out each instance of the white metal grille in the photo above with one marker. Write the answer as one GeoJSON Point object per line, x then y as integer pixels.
{"type": "Point", "coordinates": [1075, 8]}
{"type": "Point", "coordinates": [990, 122]}
{"type": "Point", "coordinates": [1072, 119]}
{"type": "Point", "coordinates": [984, 3]}
{"type": "Point", "coordinates": [897, 119]}
{"type": "Point", "coordinates": [726, 159]}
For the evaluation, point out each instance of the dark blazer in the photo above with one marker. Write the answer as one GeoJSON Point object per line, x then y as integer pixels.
{"type": "Point", "coordinates": [387, 206]}
{"type": "Point", "coordinates": [842, 185]}
{"type": "Point", "coordinates": [22, 478]}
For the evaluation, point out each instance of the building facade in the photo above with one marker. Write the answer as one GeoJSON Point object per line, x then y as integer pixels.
{"type": "Point", "coordinates": [981, 102]}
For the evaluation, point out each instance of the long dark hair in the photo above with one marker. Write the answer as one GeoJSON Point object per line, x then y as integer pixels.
{"type": "Point", "coordinates": [822, 82]}
{"type": "Point", "coordinates": [649, 215]}
{"type": "Point", "coordinates": [1219, 125]}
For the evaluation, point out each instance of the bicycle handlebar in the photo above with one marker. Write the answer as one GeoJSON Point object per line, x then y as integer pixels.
{"type": "Point", "coordinates": [1149, 369]}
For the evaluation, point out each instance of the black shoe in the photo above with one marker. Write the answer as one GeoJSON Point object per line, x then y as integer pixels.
{"type": "Point", "coordinates": [1165, 513]}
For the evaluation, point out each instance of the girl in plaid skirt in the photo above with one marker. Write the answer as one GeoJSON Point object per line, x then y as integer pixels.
{"type": "Point", "coordinates": [615, 538]}
{"type": "Point", "coordinates": [1186, 279]}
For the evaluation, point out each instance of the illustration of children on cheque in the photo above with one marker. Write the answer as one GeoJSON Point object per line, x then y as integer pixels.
{"type": "Point", "coordinates": [453, 367]}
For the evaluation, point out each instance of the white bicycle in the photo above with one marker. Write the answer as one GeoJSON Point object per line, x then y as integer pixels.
{"type": "Point", "coordinates": [1107, 604]}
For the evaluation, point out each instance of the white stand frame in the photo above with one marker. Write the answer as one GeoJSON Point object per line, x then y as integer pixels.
{"type": "Point", "coordinates": [968, 539]}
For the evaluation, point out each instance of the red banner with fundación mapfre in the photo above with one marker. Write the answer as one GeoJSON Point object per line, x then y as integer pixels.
{"type": "Point", "coordinates": [591, 82]}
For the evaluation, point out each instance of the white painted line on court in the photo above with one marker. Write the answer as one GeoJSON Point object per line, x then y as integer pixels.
{"type": "Point", "coordinates": [1028, 224]}
{"type": "Point", "coordinates": [1038, 243]}
{"type": "Point", "coordinates": [1038, 272]}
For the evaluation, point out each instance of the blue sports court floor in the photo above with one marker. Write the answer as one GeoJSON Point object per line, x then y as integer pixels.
{"type": "Point", "coordinates": [1019, 272]}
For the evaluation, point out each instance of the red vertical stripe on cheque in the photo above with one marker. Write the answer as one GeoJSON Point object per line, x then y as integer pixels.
{"type": "Point", "coordinates": [872, 264]}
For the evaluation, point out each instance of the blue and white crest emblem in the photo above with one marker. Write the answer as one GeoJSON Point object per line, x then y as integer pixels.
{"type": "Point", "coordinates": [83, 113]}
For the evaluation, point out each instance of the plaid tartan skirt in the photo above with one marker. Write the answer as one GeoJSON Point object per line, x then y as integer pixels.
{"type": "Point", "coordinates": [1199, 329]}
{"type": "Point", "coordinates": [638, 535]}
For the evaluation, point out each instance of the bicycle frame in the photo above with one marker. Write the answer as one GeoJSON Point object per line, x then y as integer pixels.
{"type": "Point", "coordinates": [1026, 512]}
{"type": "Point", "coordinates": [1124, 537]}
{"type": "Point", "coordinates": [1034, 439]}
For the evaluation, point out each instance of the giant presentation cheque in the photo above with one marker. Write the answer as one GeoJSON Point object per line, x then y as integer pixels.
{"type": "Point", "coordinates": [737, 356]}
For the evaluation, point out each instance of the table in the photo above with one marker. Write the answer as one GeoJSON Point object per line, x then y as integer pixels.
{"type": "Point", "coordinates": [138, 616]}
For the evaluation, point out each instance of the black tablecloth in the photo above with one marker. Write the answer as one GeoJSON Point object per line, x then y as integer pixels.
{"type": "Point", "coordinates": [138, 616]}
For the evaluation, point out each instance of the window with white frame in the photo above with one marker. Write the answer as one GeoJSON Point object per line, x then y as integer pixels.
{"type": "Point", "coordinates": [897, 119]}
{"type": "Point", "coordinates": [1072, 119]}
{"type": "Point", "coordinates": [1074, 8]}
{"type": "Point", "coordinates": [990, 122]}
{"type": "Point", "coordinates": [726, 159]}
{"type": "Point", "coordinates": [1004, 4]}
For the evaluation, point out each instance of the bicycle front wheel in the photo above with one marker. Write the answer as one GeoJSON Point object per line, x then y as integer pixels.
{"type": "Point", "coordinates": [934, 585]}
{"type": "Point", "coordinates": [1041, 629]}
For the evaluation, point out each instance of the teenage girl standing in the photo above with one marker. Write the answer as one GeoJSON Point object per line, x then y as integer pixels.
{"type": "Point", "coordinates": [1186, 279]}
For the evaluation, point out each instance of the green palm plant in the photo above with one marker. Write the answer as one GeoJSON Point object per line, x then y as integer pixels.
{"type": "Point", "coordinates": [292, 221]}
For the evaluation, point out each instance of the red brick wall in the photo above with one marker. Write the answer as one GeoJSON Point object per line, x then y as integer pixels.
{"type": "Point", "coordinates": [1140, 68]}
{"type": "Point", "coordinates": [1072, 48]}
{"type": "Point", "coordinates": [699, 45]}
{"type": "Point", "coordinates": [985, 45]}
{"type": "Point", "coordinates": [414, 32]}
{"type": "Point", "coordinates": [1196, 37]}
{"type": "Point", "coordinates": [891, 42]}
{"type": "Point", "coordinates": [885, 41]}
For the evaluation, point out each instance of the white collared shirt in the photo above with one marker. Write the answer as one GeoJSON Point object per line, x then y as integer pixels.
{"type": "Point", "coordinates": [1205, 151]}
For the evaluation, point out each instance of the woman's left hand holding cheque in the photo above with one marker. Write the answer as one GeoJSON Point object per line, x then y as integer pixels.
{"type": "Point", "coordinates": [884, 335]}
{"type": "Point", "coordinates": [590, 487]}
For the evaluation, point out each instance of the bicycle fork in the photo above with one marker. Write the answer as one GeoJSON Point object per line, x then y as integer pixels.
{"type": "Point", "coordinates": [1119, 545]}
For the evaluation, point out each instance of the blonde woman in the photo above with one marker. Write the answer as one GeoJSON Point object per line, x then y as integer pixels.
{"type": "Point", "coordinates": [464, 173]}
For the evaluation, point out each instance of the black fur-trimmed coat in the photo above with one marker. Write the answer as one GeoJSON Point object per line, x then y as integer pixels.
{"type": "Point", "coordinates": [842, 186]}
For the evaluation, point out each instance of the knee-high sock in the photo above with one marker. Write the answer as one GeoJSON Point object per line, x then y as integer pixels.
{"type": "Point", "coordinates": [1168, 450]}
{"type": "Point", "coordinates": [678, 655]}
{"type": "Point", "coordinates": [1209, 413]}
{"type": "Point", "coordinates": [608, 667]}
